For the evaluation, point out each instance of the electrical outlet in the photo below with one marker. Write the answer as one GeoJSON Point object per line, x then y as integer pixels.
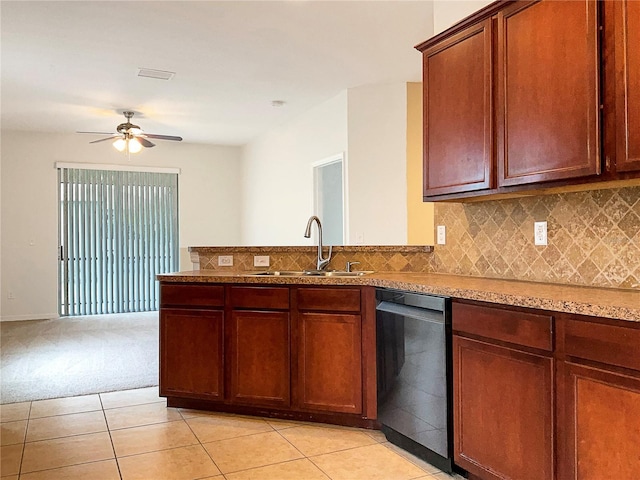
{"type": "Point", "coordinates": [261, 260]}
{"type": "Point", "coordinates": [442, 235]}
{"type": "Point", "coordinates": [11, 296]}
{"type": "Point", "coordinates": [225, 260]}
{"type": "Point", "coordinates": [540, 233]}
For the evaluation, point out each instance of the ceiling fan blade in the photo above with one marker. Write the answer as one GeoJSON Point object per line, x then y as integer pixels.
{"type": "Point", "coordinates": [163, 137]}
{"type": "Point", "coordinates": [99, 133]}
{"type": "Point", "coordinates": [144, 142]}
{"type": "Point", "coordinates": [105, 139]}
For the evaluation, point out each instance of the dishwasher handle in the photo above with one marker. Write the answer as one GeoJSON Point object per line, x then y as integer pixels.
{"type": "Point", "coordinates": [422, 314]}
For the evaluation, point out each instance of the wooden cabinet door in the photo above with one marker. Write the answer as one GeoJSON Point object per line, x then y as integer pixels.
{"type": "Point", "coordinates": [548, 91]}
{"type": "Point", "coordinates": [627, 65]}
{"type": "Point", "coordinates": [191, 353]}
{"type": "Point", "coordinates": [603, 424]}
{"type": "Point", "coordinates": [503, 420]}
{"type": "Point", "coordinates": [260, 358]}
{"type": "Point", "coordinates": [458, 136]}
{"type": "Point", "coordinates": [330, 362]}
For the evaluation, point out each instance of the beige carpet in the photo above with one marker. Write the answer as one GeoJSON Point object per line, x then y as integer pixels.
{"type": "Point", "coordinates": [77, 355]}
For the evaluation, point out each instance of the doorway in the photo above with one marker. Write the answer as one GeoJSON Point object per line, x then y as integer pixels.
{"type": "Point", "coordinates": [117, 231]}
{"type": "Point", "coordinates": [329, 198]}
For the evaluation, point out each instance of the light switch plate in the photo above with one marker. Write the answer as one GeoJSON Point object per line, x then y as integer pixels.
{"type": "Point", "coordinates": [261, 260]}
{"type": "Point", "coordinates": [540, 233]}
{"type": "Point", "coordinates": [442, 235]}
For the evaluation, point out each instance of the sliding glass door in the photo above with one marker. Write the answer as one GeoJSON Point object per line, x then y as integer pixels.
{"type": "Point", "coordinates": [118, 230]}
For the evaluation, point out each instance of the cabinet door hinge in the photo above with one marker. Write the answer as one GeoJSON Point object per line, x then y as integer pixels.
{"type": "Point", "coordinates": [607, 163]}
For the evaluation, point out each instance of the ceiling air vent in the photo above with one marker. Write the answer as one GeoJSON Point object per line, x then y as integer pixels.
{"type": "Point", "coordinates": [157, 74]}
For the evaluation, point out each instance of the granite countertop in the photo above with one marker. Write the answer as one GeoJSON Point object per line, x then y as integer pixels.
{"type": "Point", "coordinates": [601, 302]}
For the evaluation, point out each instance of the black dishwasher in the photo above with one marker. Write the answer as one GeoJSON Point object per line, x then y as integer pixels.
{"type": "Point", "coordinates": [414, 373]}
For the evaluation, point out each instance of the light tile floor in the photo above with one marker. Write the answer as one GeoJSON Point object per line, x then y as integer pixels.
{"type": "Point", "coordinates": [132, 435]}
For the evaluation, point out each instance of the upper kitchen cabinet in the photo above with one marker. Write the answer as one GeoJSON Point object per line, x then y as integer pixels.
{"type": "Point", "coordinates": [625, 16]}
{"type": "Point", "coordinates": [458, 113]}
{"type": "Point", "coordinates": [547, 92]}
{"type": "Point", "coordinates": [512, 100]}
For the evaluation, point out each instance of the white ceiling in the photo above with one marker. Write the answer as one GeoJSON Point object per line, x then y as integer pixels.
{"type": "Point", "coordinates": [69, 66]}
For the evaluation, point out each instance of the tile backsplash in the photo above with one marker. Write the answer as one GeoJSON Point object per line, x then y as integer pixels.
{"type": "Point", "coordinates": [377, 258]}
{"type": "Point", "coordinates": [593, 238]}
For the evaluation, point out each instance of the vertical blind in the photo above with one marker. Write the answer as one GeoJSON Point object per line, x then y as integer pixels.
{"type": "Point", "coordinates": [118, 229]}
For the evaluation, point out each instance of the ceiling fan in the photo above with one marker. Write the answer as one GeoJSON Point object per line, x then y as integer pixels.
{"type": "Point", "coordinates": [130, 137]}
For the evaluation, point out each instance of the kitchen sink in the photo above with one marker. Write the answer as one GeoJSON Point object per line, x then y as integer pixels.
{"type": "Point", "coordinates": [278, 273]}
{"type": "Point", "coordinates": [339, 273]}
{"type": "Point", "coordinates": [309, 273]}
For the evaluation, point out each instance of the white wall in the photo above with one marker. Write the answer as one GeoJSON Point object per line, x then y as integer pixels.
{"type": "Point", "coordinates": [369, 124]}
{"type": "Point", "coordinates": [448, 12]}
{"type": "Point", "coordinates": [277, 175]}
{"type": "Point", "coordinates": [209, 212]}
{"type": "Point", "coordinates": [377, 126]}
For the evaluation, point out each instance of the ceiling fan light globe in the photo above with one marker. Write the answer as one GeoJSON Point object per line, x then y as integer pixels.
{"type": "Point", "coordinates": [134, 145]}
{"type": "Point", "coordinates": [120, 144]}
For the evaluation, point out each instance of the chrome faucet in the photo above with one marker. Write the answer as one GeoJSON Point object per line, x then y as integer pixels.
{"type": "Point", "coordinates": [348, 266]}
{"type": "Point", "coordinates": [322, 262]}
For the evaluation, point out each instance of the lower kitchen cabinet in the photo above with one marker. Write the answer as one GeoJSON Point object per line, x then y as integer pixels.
{"type": "Point", "coordinates": [603, 424]}
{"type": "Point", "coordinates": [544, 395]}
{"type": "Point", "coordinates": [192, 353]}
{"type": "Point", "coordinates": [260, 358]}
{"type": "Point", "coordinates": [329, 349]}
{"type": "Point", "coordinates": [259, 342]}
{"type": "Point", "coordinates": [288, 351]}
{"type": "Point", "coordinates": [330, 362]}
{"type": "Point", "coordinates": [600, 422]}
{"type": "Point", "coordinates": [503, 393]}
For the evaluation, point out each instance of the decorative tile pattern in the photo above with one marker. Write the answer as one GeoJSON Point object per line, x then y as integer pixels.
{"type": "Point", "coordinates": [593, 238]}
{"type": "Point", "coordinates": [379, 259]}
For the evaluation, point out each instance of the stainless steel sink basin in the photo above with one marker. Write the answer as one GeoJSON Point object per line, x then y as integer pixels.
{"type": "Point", "coordinates": [278, 273]}
{"type": "Point", "coordinates": [310, 273]}
{"type": "Point", "coordinates": [339, 273]}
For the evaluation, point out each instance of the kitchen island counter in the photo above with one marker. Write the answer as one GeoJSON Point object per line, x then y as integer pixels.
{"type": "Point", "coordinates": [621, 304]}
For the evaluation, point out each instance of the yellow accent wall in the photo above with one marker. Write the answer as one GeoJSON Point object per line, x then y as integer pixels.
{"type": "Point", "coordinates": [420, 223]}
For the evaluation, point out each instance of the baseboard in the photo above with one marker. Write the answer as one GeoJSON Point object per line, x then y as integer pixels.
{"type": "Point", "coordinates": [17, 318]}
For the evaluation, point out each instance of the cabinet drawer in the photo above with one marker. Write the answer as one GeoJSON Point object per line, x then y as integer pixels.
{"type": "Point", "coordinates": [611, 344]}
{"type": "Point", "coordinates": [192, 295]}
{"type": "Point", "coordinates": [527, 329]}
{"type": "Point", "coordinates": [259, 297]}
{"type": "Point", "coordinates": [329, 299]}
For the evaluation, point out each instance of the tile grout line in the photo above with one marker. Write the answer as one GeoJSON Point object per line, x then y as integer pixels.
{"type": "Point", "coordinates": [200, 442]}
{"type": "Point", "coordinates": [61, 467]}
{"type": "Point", "coordinates": [113, 448]}
{"type": "Point", "coordinates": [150, 451]}
{"type": "Point", "coordinates": [287, 440]}
{"type": "Point", "coordinates": [24, 443]}
{"type": "Point", "coordinates": [319, 468]}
